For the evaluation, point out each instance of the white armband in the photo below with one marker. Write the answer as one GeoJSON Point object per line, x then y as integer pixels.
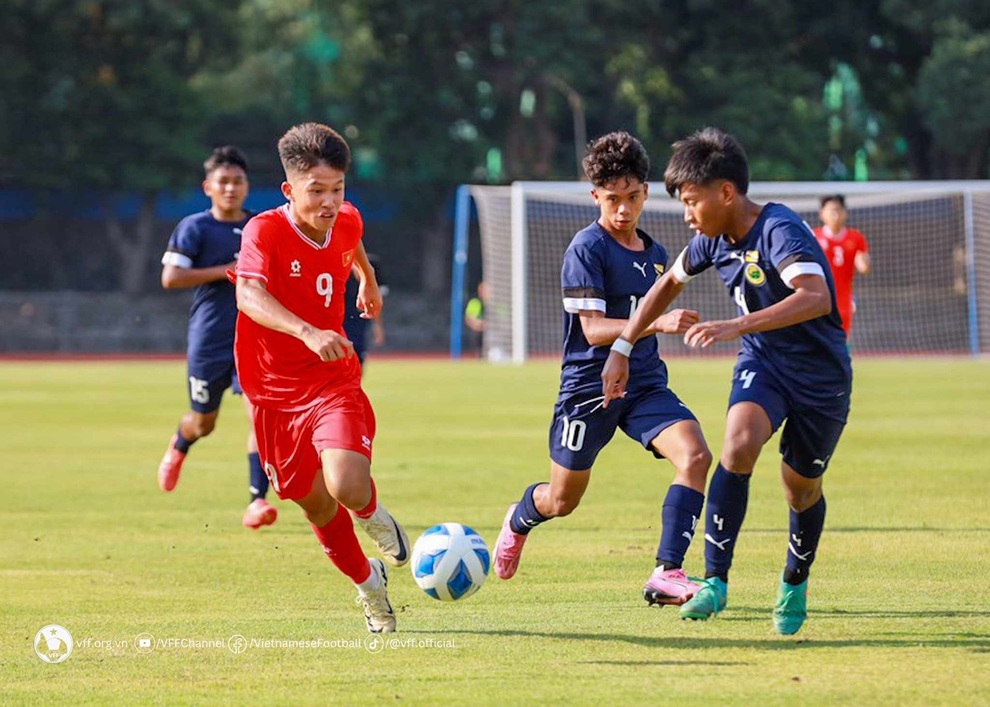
{"type": "Point", "coordinates": [677, 269]}
{"type": "Point", "coordinates": [621, 346]}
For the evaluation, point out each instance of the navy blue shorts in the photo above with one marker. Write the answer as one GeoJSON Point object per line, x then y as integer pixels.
{"type": "Point", "coordinates": [356, 329]}
{"type": "Point", "coordinates": [812, 432]}
{"type": "Point", "coordinates": [581, 427]}
{"type": "Point", "coordinates": [208, 379]}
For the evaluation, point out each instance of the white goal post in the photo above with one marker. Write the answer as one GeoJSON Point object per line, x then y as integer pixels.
{"type": "Point", "coordinates": [929, 292]}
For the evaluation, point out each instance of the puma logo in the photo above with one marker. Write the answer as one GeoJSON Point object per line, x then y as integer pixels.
{"type": "Point", "coordinates": [641, 267]}
{"type": "Point", "coordinates": [716, 543]}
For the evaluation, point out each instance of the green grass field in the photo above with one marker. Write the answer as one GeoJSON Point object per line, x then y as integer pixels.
{"type": "Point", "coordinates": [899, 601]}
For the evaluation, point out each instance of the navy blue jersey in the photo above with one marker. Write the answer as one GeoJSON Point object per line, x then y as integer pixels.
{"type": "Point", "coordinates": [200, 241]}
{"type": "Point", "coordinates": [355, 326]}
{"type": "Point", "coordinates": [811, 358]}
{"type": "Point", "coordinates": [601, 275]}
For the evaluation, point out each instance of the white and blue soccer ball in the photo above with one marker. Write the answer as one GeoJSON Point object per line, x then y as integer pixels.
{"type": "Point", "coordinates": [450, 561]}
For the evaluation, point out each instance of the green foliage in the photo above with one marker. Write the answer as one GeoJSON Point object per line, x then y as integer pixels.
{"type": "Point", "coordinates": [954, 93]}
{"type": "Point", "coordinates": [101, 92]}
{"type": "Point", "coordinates": [426, 90]}
{"type": "Point", "coordinates": [888, 47]}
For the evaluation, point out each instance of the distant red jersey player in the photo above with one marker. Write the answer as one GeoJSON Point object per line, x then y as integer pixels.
{"type": "Point", "coordinates": [315, 426]}
{"type": "Point", "coordinates": [847, 253]}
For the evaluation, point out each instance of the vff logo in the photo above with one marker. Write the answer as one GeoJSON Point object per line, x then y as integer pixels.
{"type": "Point", "coordinates": [53, 643]}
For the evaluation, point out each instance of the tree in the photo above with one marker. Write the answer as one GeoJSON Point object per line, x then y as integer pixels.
{"type": "Point", "coordinates": [117, 109]}
{"type": "Point", "coordinates": [894, 46]}
{"type": "Point", "coordinates": [954, 96]}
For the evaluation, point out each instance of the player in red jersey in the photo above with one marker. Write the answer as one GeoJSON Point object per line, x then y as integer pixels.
{"type": "Point", "coordinates": [847, 253]}
{"type": "Point", "coordinates": [313, 422]}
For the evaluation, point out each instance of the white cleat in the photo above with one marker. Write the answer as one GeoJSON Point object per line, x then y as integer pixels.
{"type": "Point", "coordinates": [378, 613]}
{"type": "Point", "coordinates": [388, 535]}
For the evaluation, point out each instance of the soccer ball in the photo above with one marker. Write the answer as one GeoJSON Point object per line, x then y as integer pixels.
{"type": "Point", "coordinates": [450, 561]}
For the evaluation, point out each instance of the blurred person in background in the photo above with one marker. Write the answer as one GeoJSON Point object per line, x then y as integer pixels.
{"type": "Point", "coordinates": [200, 251]}
{"type": "Point", "coordinates": [356, 323]}
{"type": "Point", "coordinates": [847, 252]}
{"type": "Point", "coordinates": [474, 320]}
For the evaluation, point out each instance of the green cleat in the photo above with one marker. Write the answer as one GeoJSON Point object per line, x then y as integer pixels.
{"type": "Point", "coordinates": [792, 607]}
{"type": "Point", "coordinates": [709, 600]}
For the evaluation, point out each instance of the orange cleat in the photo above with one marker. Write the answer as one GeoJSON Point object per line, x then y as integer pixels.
{"type": "Point", "coordinates": [170, 466]}
{"type": "Point", "coordinates": [259, 513]}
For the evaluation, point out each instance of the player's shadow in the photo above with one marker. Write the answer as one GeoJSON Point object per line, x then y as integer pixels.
{"type": "Point", "coordinates": [666, 663]}
{"type": "Point", "coordinates": [904, 529]}
{"type": "Point", "coordinates": [899, 614]}
{"type": "Point", "coordinates": [782, 530]}
{"type": "Point", "coordinates": [976, 643]}
{"type": "Point", "coordinates": [865, 529]}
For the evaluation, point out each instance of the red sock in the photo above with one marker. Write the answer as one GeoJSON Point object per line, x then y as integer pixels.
{"type": "Point", "coordinates": [372, 506]}
{"type": "Point", "coordinates": [341, 545]}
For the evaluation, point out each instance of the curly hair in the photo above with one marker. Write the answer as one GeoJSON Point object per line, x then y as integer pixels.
{"type": "Point", "coordinates": [309, 144]}
{"type": "Point", "coordinates": [615, 156]}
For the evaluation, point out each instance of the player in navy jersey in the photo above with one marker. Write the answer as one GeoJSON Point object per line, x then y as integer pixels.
{"type": "Point", "coordinates": [356, 323]}
{"type": "Point", "coordinates": [200, 251]}
{"type": "Point", "coordinates": [793, 363]}
{"type": "Point", "coordinates": [608, 267]}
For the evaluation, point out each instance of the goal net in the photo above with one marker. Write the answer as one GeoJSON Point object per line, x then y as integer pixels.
{"type": "Point", "coordinates": [928, 293]}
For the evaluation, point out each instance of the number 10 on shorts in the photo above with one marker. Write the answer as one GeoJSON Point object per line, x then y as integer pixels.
{"type": "Point", "coordinates": [572, 437]}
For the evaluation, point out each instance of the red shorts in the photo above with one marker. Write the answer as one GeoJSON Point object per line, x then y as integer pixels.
{"type": "Point", "coordinates": [290, 443]}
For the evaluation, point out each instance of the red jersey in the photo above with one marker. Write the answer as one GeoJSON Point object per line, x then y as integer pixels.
{"type": "Point", "coordinates": [841, 251]}
{"type": "Point", "coordinates": [277, 370]}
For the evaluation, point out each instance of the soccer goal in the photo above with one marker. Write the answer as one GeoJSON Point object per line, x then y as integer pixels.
{"type": "Point", "coordinates": [928, 293]}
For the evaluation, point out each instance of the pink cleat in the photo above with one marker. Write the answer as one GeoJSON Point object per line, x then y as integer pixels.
{"type": "Point", "coordinates": [259, 513]}
{"type": "Point", "coordinates": [508, 548]}
{"type": "Point", "coordinates": [170, 466]}
{"type": "Point", "coordinates": [669, 587]}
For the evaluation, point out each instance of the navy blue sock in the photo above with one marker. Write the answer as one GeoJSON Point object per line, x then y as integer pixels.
{"type": "Point", "coordinates": [526, 516]}
{"type": "Point", "coordinates": [806, 530]}
{"type": "Point", "coordinates": [181, 443]}
{"type": "Point", "coordinates": [681, 511]}
{"type": "Point", "coordinates": [256, 477]}
{"type": "Point", "coordinates": [728, 495]}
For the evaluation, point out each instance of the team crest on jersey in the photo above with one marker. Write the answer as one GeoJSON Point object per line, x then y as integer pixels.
{"type": "Point", "coordinates": [752, 256]}
{"type": "Point", "coordinates": [347, 258]}
{"type": "Point", "coordinates": [658, 269]}
{"type": "Point", "coordinates": [755, 274]}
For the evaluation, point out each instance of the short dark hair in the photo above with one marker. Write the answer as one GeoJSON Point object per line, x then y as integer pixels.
{"type": "Point", "coordinates": [707, 156]}
{"type": "Point", "coordinates": [615, 156]}
{"type": "Point", "coordinates": [225, 156]}
{"type": "Point", "coordinates": [306, 145]}
{"type": "Point", "coordinates": [833, 197]}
